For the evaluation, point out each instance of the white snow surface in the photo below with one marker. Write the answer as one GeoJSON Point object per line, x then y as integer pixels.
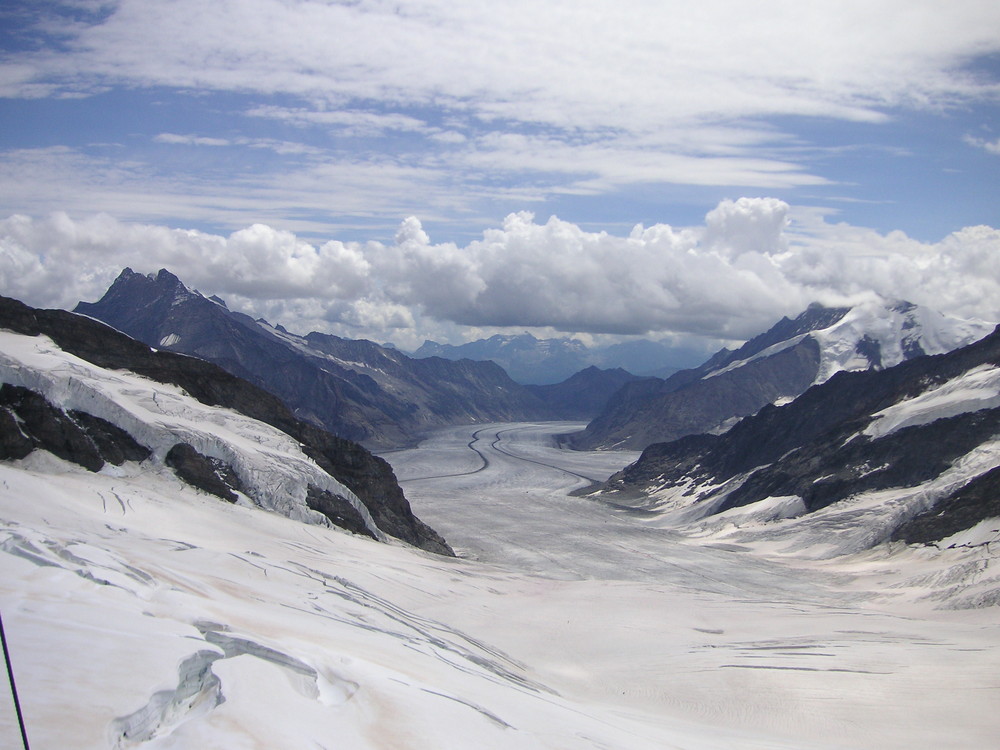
{"type": "Point", "coordinates": [142, 613]}
{"type": "Point", "coordinates": [160, 416]}
{"type": "Point", "coordinates": [888, 323]}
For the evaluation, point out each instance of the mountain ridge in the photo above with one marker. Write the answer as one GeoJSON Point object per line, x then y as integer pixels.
{"type": "Point", "coordinates": [775, 366]}
{"type": "Point", "coordinates": [906, 453]}
{"type": "Point", "coordinates": [533, 361]}
{"type": "Point", "coordinates": [356, 389]}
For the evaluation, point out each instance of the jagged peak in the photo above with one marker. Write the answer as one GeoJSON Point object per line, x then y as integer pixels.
{"type": "Point", "coordinates": [163, 276]}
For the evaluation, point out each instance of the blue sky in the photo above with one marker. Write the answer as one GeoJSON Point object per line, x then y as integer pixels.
{"type": "Point", "coordinates": [870, 123]}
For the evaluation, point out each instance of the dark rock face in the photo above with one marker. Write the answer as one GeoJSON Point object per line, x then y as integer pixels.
{"type": "Point", "coordinates": [975, 502]}
{"type": "Point", "coordinates": [814, 447]}
{"type": "Point", "coordinates": [114, 444]}
{"type": "Point", "coordinates": [583, 395]}
{"type": "Point", "coordinates": [14, 443]}
{"type": "Point", "coordinates": [822, 474]}
{"type": "Point", "coordinates": [368, 476]}
{"type": "Point", "coordinates": [355, 389]}
{"type": "Point", "coordinates": [28, 422]}
{"type": "Point", "coordinates": [337, 509]}
{"type": "Point", "coordinates": [211, 475]}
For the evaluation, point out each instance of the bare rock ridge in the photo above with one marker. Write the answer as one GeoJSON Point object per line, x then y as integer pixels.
{"type": "Point", "coordinates": [28, 422]}
{"type": "Point", "coordinates": [355, 389]}
{"type": "Point", "coordinates": [870, 431]}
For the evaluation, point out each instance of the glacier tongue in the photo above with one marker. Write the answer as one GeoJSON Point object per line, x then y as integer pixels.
{"type": "Point", "coordinates": [269, 463]}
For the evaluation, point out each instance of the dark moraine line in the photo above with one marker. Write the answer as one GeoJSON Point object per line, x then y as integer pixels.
{"type": "Point", "coordinates": [496, 446]}
{"type": "Point", "coordinates": [472, 447]}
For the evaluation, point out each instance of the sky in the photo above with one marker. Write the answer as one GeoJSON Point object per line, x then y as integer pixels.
{"type": "Point", "coordinates": [433, 169]}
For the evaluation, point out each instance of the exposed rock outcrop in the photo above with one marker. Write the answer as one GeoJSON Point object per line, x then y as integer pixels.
{"type": "Point", "coordinates": [211, 475]}
{"type": "Point", "coordinates": [28, 422]}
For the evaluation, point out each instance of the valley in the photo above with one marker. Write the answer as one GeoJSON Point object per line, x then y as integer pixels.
{"type": "Point", "coordinates": [845, 653]}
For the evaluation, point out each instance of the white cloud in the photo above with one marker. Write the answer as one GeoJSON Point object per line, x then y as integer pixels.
{"type": "Point", "coordinates": [190, 140]}
{"type": "Point", "coordinates": [990, 147]}
{"type": "Point", "coordinates": [751, 262]}
{"type": "Point", "coordinates": [346, 121]}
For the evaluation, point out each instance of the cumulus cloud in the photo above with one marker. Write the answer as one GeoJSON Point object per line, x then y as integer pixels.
{"type": "Point", "coordinates": [748, 264]}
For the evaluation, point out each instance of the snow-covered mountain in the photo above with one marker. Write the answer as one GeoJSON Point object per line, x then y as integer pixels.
{"type": "Point", "coordinates": [92, 396]}
{"type": "Point", "coordinates": [356, 389]}
{"type": "Point", "coordinates": [775, 367]}
{"type": "Point", "coordinates": [144, 612]}
{"type": "Point", "coordinates": [536, 361]}
{"type": "Point", "coordinates": [909, 453]}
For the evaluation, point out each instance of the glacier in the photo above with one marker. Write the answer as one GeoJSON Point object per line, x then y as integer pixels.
{"type": "Point", "coordinates": [143, 613]}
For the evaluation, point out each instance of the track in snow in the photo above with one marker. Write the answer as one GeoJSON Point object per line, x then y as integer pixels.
{"type": "Point", "coordinates": [497, 445]}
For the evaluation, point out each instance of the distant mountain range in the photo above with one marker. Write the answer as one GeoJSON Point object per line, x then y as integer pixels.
{"type": "Point", "coordinates": [909, 453]}
{"type": "Point", "coordinates": [776, 366]}
{"type": "Point", "coordinates": [547, 361]}
{"type": "Point", "coordinates": [584, 394]}
{"type": "Point", "coordinates": [356, 389]}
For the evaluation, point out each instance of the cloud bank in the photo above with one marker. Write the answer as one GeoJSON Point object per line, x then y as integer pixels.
{"type": "Point", "coordinates": [753, 260]}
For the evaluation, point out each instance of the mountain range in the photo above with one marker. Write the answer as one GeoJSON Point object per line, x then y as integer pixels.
{"type": "Point", "coordinates": [536, 361]}
{"type": "Point", "coordinates": [909, 453]}
{"type": "Point", "coordinates": [774, 367]}
{"type": "Point", "coordinates": [357, 389]}
{"type": "Point", "coordinates": [176, 574]}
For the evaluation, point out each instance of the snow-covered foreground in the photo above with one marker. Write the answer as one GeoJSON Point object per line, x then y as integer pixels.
{"type": "Point", "coordinates": [142, 613]}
